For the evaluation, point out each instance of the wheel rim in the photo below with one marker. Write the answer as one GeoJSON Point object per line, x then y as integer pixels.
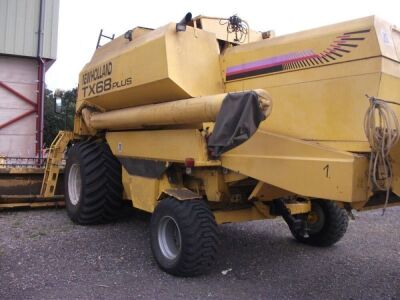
{"type": "Point", "coordinates": [315, 219]}
{"type": "Point", "coordinates": [74, 183]}
{"type": "Point", "coordinates": [169, 237]}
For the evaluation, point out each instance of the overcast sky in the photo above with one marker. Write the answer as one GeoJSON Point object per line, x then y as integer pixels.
{"type": "Point", "coordinates": [80, 22]}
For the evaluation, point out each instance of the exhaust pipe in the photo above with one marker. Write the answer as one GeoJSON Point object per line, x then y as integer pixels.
{"type": "Point", "coordinates": [181, 26]}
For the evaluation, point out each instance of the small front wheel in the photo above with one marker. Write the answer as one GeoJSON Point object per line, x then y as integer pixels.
{"type": "Point", "coordinates": [325, 225]}
{"type": "Point", "coordinates": [184, 237]}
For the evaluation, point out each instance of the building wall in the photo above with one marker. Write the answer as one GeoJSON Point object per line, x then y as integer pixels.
{"type": "Point", "coordinates": [19, 23]}
{"type": "Point", "coordinates": [18, 139]}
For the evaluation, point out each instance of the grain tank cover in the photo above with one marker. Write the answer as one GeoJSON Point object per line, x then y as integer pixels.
{"type": "Point", "coordinates": [318, 78]}
{"type": "Point", "coordinates": [154, 66]}
{"type": "Point", "coordinates": [324, 46]}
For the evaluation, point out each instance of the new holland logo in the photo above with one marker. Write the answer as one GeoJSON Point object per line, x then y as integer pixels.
{"type": "Point", "coordinates": [98, 80]}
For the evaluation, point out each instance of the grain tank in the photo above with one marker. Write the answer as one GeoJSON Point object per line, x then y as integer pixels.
{"type": "Point", "coordinates": [205, 121]}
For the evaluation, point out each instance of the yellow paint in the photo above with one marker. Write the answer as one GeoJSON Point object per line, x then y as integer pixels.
{"type": "Point", "coordinates": [299, 207]}
{"type": "Point", "coordinates": [140, 190]}
{"type": "Point", "coordinates": [52, 169]}
{"type": "Point", "coordinates": [32, 204]}
{"type": "Point", "coordinates": [154, 67]}
{"type": "Point", "coordinates": [300, 167]}
{"type": "Point", "coordinates": [213, 183]}
{"type": "Point", "coordinates": [166, 145]}
{"type": "Point", "coordinates": [267, 192]}
{"type": "Point", "coordinates": [309, 146]}
{"type": "Point", "coordinates": [326, 102]}
{"type": "Point", "coordinates": [179, 112]}
{"type": "Point", "coordinates": [242, 215]}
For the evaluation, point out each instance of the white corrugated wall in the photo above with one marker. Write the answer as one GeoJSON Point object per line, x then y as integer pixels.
{"type": "Point", "coordinates": [19, 21]}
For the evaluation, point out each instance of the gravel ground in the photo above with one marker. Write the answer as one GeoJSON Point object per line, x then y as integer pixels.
{"type": "Point", "coordinates": [45, 256]}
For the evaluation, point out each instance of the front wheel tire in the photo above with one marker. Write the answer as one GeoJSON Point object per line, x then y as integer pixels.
{"type": "Point", "coordinates": [93, 184]}
{"type": "Point", "coordinates": [184, 237]}
{"type": "Point", "coordinates": [325, 225]}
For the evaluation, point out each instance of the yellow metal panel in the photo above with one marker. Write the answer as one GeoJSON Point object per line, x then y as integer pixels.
{"type": "Point", "coordinates": [389, 89]}
{"type": "Point", "coordinates": [350, 146]}
{"type": "Point", "coordinates": [121, 45]}
{"type": "Point", "coordinates": [299, 207]}
{"type": "Point", "coordinates": [129, 87]}
{"type": "Point", "coordinates": [154, 67]}
{"type": "Point", "coordinates": [166, 145]}
{"type": "Point", "coordinates": [193, 61]}
{"type": "Point", "coordinates": [395, 158]}
{"type": "Point", "coordinates": [316, 40]}
{"type": "Point", "coordinates": [387, 38]}
{"type": "Point", "coordinates": [323, 101]}
{"type": "Point", "coordinates": [300, 167]}
{"type": "Point", "coordinates": [32, 204]}
{"type": "Point", "coordinates": [144, 192]}
{"type": "Point", "coordinates": [264, 192]}
{"type": "Point", "coordinates": [326, 104]}
{"type": "Point", "coordinates": [125, 183]}
{"type": "Point", "coordinates": [181, 193]}
{"type": "Point", "coordinates": [214, 184]}
{"type": "Point", "coordinates": [233, 176]}
{"type": "Point", "coordinates": [16, 170]}
{"type": "Point", "coordinates": [396, 39]}
{"type": "Point", "coordinates": [242, 215]}
{"type": "Point", "coordinates": [318, 73]}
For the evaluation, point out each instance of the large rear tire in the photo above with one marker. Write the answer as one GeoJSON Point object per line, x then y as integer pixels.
{"type": "Point", "coordinates": [93, 184]}
{"type": "Point", "coordinates": [184, 237]}
{"type": "Point", "coordinates": [327, 223]}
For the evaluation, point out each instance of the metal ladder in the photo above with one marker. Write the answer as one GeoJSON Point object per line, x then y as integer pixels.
{"type": "Point", "coordinates": [54, 158]}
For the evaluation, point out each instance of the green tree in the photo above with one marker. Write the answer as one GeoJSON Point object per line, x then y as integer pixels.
{"type": "Point", "coordinates": [54, 122]}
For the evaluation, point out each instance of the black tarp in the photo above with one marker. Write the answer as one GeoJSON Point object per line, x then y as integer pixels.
{"type": "Point", "coordinates": [236, 122]}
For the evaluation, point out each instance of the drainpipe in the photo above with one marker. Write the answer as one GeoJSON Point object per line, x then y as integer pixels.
{"type": "Point", "coordinates": [40, 84]}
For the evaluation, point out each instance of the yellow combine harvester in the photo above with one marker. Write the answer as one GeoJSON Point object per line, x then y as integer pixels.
{"type": "Point", "coordinates": [179, 121]}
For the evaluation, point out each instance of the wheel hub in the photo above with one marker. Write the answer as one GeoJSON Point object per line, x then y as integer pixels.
{"type": "Point", "coordinates": [312, 218]}
{"type": "Point", "coordinates": [169, 237]}
{"type": "Point", "coordinates": [74, 183]}
{"type": "Point", "coordinates": [315, 219]}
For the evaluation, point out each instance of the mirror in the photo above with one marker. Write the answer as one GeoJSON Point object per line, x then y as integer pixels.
{"type": "Point", "coordinates": [58, 105]}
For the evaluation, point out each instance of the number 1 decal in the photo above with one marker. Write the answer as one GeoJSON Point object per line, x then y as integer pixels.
{"type": "Point", "coordinates": [326, 168]}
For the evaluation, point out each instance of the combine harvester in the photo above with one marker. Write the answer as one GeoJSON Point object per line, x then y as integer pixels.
{"type": "Point", "coordinates": [179, 121]}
